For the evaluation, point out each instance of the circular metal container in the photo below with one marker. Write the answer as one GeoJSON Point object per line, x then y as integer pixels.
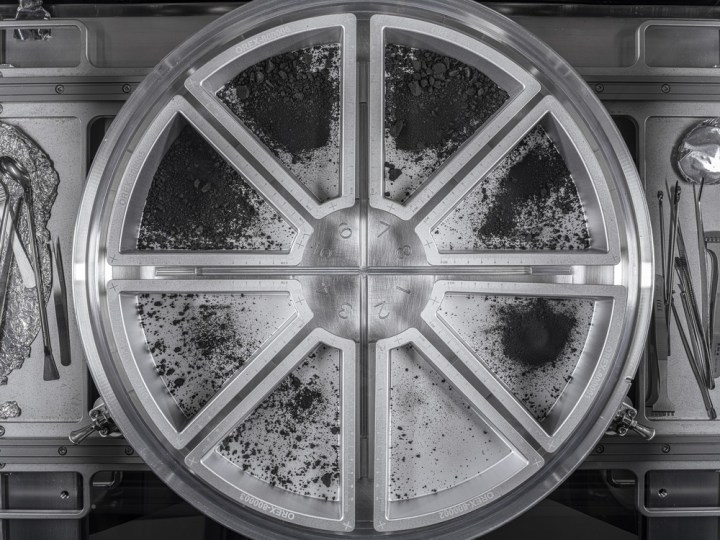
{"type": "Point", "coordinates": [367, 277]}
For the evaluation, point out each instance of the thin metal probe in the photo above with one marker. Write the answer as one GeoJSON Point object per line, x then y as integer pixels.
{"type": "Point", "coordinates": [697, 351]}
{"type": "Point", "coordinates": [704, 392]}
{"type": "Point", "coordinates": [660, 196]}
{"type": "Point", "coordinates": [692, 318]}
{"type": "Point", "coordinates": [686, 282]}
{"type": "Point", "coordinates": [674, 215]}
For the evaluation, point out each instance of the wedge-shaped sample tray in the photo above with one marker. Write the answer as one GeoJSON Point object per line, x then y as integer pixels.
{"type": "Point", "coordinates": [291, 104]}
{"type": "Point", "coordinates": [286, 449]}
{"type": "Point", "coordinates": [291, 440]}
{"type": "Point", "coordinates": [532, 345]}
{"type": "Point", "coordinates": [190, 346]}
{"type": "Point", "coordinates": [187, 192]}
{"type": "Point", "coordinates": [431, 67]}
{"type": "Point", "coordinates": [441, 450]}
{"type": "Point", "coordinates": [433, 104]}
{"type": "Point", "coordinates": [528, 201]}
{"type": "Point", "coordinates": [198, 201]}
{"type": "Point", "coordinates": [541, 349]}
{"type": "Point", "coordinates": [534, 198]}
{"type": "Point", "coordinates": [199, 341]}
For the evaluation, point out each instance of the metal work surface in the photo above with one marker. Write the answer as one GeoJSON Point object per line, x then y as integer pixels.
{"type": "Point", "coordinates": [66, 112]}
{"type": "Point", "coordinates": [366, 276]}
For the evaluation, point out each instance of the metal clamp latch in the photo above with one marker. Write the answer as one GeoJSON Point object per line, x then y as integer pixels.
{"type": "Point", "coordinates": [102, 423]}
{"type": "Point", "coordinates": [625, 421]}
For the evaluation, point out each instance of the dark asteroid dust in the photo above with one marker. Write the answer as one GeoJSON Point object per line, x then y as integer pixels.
{"type": "Point", "coordinates": [291, 102]}
{"type": "Point", "coordinates": [528, 202]}
{"type": "Point", "coordinates": [532, 345]}
{"type": "Point", "coordinates": [197, 201]}
{"type": "Point", "coordinates": [433, 104]}
{"type": "Point", "coordinates": [292, 439]}
{"type": "Point", "coordinates": [199, 341]}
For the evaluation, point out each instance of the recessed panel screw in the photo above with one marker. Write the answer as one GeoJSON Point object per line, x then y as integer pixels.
{"type": "Point", "coordinates": [599, 88]}
{"type": "Point", "coordinates": [62, 450]}
{"type": "Point", "coordinates": [599, 449]}
{"type": "Point", "coordinates": [665, 88]}
{"type": "Point", "coordinates": [59, 89]}
{"type": "Point", "coordinates": [126, 88]}
{"type": "Point", "coordinates": [662, 492]}
{"type": "Point", "coordinates": [129, 451]}
{"type": "Point", "coordinates": [665, 448]}
{"type": "Point", "coordinates": [2, 431]}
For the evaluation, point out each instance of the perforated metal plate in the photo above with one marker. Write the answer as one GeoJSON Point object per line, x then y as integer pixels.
{"type": "Point", "coordinates": [309, 365]}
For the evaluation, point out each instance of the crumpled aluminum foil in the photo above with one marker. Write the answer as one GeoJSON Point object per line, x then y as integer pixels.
{"type": "Point", "coordinates": [698, 155]}
{"type": "Point", "coordinates": [9, 409]}
{"type": "Point", "coordinates": [21, 323]}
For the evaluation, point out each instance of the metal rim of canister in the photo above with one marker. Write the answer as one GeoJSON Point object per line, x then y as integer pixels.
{"type": "Point", "coordinates": [462, 14]}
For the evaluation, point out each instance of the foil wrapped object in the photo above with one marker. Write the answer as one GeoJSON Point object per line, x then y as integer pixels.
{"type": "Point", "coordinates": [21, 322]}
{"type": "Point", "coordinates": [9, 409]}
{"type": "Point", "coordinates": [698, 155]}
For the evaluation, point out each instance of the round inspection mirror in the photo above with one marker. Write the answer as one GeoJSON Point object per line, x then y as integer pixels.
{"type": "Point", "coordinates": [346, 268]}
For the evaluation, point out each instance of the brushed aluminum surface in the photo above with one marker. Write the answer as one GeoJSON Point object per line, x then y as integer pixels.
{"type": "Point", "coordinates": [363, 274]}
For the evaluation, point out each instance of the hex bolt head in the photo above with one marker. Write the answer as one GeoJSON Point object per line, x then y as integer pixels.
{"type": "Point", "coordinates": [665, 88]}
{"type": "Point", "coordinates": [62, 450]}
{"type": "Point", "coordinates": [665, 449]}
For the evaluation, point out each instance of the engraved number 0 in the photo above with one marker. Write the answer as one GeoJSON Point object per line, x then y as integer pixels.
{"type": "Point", "coordinates": [345, 231]}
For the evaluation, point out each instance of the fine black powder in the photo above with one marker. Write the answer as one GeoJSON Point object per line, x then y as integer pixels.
{"type": "Point", "coordinates": [291, 440]}
{"type": "Point", "coordinates": [284, 102]}
{"type": "Point", "coordinates": [529, 201]}
{"type": "Point", "coordinates": [534, 332]}
{"type": "Point", "coordinates": [531, 344]}
{"type": "Point", "coordinates": [291, 102]}
{"type": "Point", "coordinates": [197, 201]}
{"type": "Point", "coordinates": [433, 104]}
{"type": "Point", "coordinates": [199, 341]}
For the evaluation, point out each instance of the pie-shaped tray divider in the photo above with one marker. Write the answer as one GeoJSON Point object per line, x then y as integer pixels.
{"type": "Point", "coordinates": [208, 80]}
{"type": "Point", "coordinates": [587, 175]}
{"type": "Point", "coordinates": [522, 88]}
{"type": "Point", "coordinates": [516, 461]}
{"type": "Point", "coordinates": [594, 359]}
{"type": "Point", "coordinates": [137, 182]}
{"type": "Point", "coordinates": [208, 463]}
{"type": "Point", "coordinates": [142, 369]}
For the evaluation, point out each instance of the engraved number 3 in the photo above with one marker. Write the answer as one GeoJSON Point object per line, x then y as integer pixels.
{"type": "Point", "coordinates": [345, 311]}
